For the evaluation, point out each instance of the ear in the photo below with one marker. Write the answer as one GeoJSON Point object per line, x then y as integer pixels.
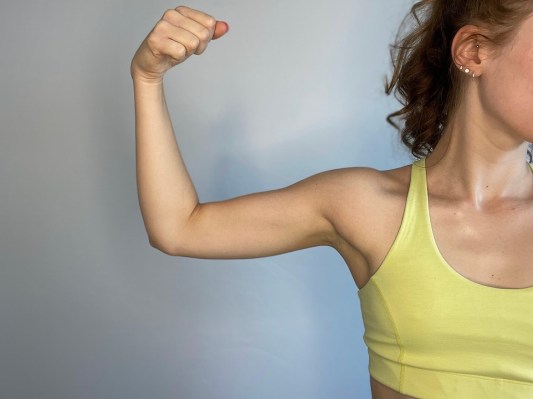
{"type": "Point", "coordinates": [470, 50]}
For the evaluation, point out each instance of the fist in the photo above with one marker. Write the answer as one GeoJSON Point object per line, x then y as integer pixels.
{"type": "Point", "coordinates": [180, 33]}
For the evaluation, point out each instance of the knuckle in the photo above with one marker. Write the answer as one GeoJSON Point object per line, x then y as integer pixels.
{"type": "Point", "coordinates": [167, 15]}
{"type": "Point", "coordinates": [180, 51]}
{"type": "Point", "coordinates": [160, 26]}
{"type": "Point", "coordinates": [204, 34]}
{"type": "Point", "coordinates": [152, 41]}
{"type": "Point", "coordinates": [210, 22]}
{"type": "Point", "coordinates": [181, 9]}
{"type": "Point", "coordinates": [194, 42]}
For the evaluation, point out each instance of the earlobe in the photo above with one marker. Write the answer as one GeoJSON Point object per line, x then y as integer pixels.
{"type": "Point", "coordinates": [467, 71]}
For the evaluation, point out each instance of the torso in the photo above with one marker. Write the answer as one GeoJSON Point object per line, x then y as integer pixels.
{"type": "Point", "coordinates": [490, 247]}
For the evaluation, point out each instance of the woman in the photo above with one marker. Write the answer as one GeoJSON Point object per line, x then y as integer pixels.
{"type": "Point", "coordinates": [446, 290]}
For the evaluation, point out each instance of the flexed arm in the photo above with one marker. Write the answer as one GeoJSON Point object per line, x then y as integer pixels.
{"type": "Point", "coordinates": [250, 226]}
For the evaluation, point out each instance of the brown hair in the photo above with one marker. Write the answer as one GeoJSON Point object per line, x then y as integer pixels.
{"type": "Point", "coordinates": [425, 79]}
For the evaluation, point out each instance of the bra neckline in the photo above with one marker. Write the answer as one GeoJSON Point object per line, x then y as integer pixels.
{"type": "Point", "coordinates": [421, 163]}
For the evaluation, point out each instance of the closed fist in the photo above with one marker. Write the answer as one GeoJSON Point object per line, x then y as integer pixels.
{"type": "Point", "coordinates": [180, 33]}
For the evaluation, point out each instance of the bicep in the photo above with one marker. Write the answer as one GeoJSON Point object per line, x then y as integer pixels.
{"type": "Point", "coordinates": [260, 224]}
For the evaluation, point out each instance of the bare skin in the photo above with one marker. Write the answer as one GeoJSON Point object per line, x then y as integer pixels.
{"type": "Point", "coordinates": [480, 188]}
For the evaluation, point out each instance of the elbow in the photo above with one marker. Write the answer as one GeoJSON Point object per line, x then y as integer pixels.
{"type": "Point", "coordinates": [164, 246]}
{"type": "Point", "coordinates": [174, 240]}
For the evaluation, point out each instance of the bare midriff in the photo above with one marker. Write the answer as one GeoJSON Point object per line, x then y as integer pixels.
{"type": "Point", "coordinates": [380, 391]}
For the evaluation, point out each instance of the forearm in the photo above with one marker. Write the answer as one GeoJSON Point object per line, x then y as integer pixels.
{"type": "Point", "coordinates": [167, 196]}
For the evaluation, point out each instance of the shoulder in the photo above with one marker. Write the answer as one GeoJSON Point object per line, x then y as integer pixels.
{"type": "Point", "coordinates": [363, 182]}
{"type": "Point", "coordinates": [365, 205]}
{"type": "Point", "coordinates": [355, 195]}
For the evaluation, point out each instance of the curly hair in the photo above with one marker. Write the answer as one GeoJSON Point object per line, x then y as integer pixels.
{"type": "Point", "coordinates": [424, 77]}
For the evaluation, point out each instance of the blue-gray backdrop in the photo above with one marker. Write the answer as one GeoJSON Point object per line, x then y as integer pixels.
{"type": "Point", "coordinates": [87, 308]}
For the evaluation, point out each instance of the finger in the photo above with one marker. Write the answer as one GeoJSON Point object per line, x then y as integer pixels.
{"type": "Point", "coordinates": [174, 50]}
{"type": "Point", "coordinates": [221, 28]}
{"type": "Point", "coordinates": [200, 31]}
{"type": "Point", "coordinates": [201, 17]}
{"type": "Point", "coordinates": [190, 41]}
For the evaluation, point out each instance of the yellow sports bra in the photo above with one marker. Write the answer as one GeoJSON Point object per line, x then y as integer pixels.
{"type": "Point", "coordinates": [432, 333]}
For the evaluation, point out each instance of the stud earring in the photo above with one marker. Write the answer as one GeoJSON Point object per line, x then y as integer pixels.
{"type": "Point", "coordinates": [467, 71]}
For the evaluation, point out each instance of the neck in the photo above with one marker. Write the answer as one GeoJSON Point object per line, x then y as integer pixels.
{"type": "Point", "coordinates": [479, 164]}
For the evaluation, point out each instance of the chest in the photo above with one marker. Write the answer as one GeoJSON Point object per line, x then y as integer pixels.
{"type": "Point", "coordinates": [421, 315]}
{"type": "Point", "coordinates": [489, 248]}
{"type": "Point", "coordinates": [493, 247]}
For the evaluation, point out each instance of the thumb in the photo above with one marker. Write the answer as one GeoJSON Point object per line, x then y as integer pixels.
{"type": "Point", "coordinates": [221, 28]}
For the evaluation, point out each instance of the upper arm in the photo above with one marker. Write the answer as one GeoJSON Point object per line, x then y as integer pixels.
{"type": "Point", "coordinates": [299, 216]}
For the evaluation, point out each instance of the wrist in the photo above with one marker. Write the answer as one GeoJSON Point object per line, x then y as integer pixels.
{"type": "Point", "coordinates": [143, 79]}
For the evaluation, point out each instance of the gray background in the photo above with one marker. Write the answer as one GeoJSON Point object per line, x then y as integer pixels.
{"type": "Point", "coordinates": [88, 309]}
